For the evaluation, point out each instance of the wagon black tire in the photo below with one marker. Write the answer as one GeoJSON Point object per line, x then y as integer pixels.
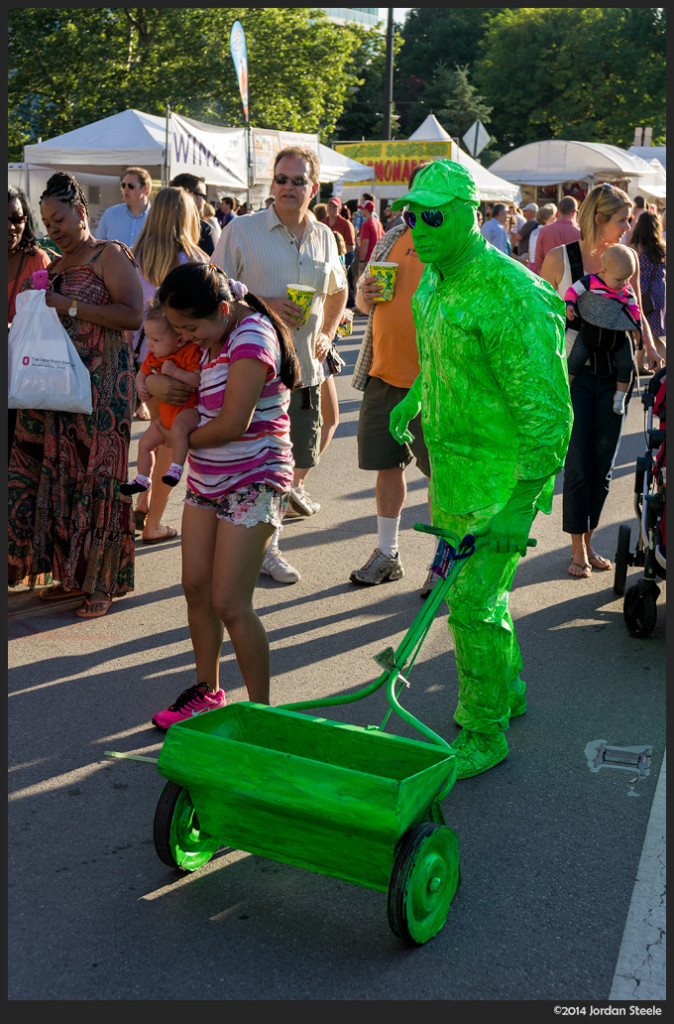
{"type": "Point", "coordinates": [622, 555]}
{"type": "Point", "coordinates": [640, 611]}
{"type": "Point", "coordinates": [423, 882]}
{"type": "Point", "coordinates": [178, 838]}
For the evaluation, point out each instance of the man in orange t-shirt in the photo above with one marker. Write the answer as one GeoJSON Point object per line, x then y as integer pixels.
{"type": "Point", "coordinates": [387, 367]}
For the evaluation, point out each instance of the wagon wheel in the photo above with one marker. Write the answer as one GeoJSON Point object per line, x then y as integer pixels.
{"type": "Point", "coordinates": [622, 556]}
{"type": "Point", "coordinates": [178, 839]}
{"type": "Point", "coordinates": [424, 879]}
{"type": "Point", "coordinates": [640, 611]}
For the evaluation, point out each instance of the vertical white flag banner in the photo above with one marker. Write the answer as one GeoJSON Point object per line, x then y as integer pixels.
{"type": "Point", "coordinates": [237, 45]}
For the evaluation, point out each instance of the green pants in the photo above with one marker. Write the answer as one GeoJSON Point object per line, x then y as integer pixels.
{"type": "Point", "coordinates": [488, 656]}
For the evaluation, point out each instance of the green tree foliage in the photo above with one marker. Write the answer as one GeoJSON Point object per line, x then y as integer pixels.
{"type": "Point", "coordinates": [433, 37]}
{"type": "Point", "coordinates": [363, 115]}
{"type": "Point", "coordinates": [454, 101]}
{"type": "Point", "coordinates": [585, 73]}
{"type": "Point", "coordinates": [71, 66]}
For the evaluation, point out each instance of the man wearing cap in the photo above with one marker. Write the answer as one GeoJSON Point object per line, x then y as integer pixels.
{"type": "Point", "coordinates": [493, 395]}
{"type": "Point", "coordinates": [344, 227]}
{"type": "Point", "coordinates": [521, 236]}
{"type": "Point", "coordinates": [370, 232]}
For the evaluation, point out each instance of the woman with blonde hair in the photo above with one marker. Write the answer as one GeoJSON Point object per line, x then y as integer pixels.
{"type": "Point", "coordinates": [170, 237]}
{"type": "Point", "coordinates": [603, 220]}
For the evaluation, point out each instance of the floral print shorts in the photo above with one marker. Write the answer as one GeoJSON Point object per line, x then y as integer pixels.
{"type": "Point", "coordinates": [246, 506]}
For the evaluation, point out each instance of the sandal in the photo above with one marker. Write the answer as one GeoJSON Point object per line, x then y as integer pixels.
{"type": "Point", "coordinates": [59, 593]}
{"type": "Point", "coordinates": [169, 535]}
{"type": "Point", "coordinates": [585, 570]}
{"type": "Point", "coordinates": [599, 563]}
{"type": "Point", "coordinates": [93, 609]}
{"type": "Point", "coordinates": [139, 518]}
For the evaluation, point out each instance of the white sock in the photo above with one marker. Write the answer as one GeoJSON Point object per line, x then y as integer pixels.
{"type": "Point", "coordinates": [144, 480]}
{"type": "Point", "coordinates": [387, 535]}
{"type": "Point", "coordinates": [273, 543]}
{"type": "Point", "coordinates": [619, 402]}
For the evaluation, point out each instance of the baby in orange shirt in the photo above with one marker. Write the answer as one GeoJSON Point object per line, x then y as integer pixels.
{"type": "Point", "coordinates": [169, 354]}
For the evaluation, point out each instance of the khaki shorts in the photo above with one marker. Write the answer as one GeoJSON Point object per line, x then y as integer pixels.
{"type": "Point", "coordinates": [377, 448]}
{"type": "Point", "coordinates": [305, 425]}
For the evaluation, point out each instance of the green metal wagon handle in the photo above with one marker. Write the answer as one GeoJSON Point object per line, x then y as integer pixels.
{"type": "Point", "coordinates": [395, 662]}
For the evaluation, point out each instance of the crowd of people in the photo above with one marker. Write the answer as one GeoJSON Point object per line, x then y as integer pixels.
{"type": "Point", "coordinates": [181, 313]}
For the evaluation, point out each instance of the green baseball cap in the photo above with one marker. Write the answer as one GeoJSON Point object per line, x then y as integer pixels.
{"type": "Point", "coordinates": [439, 183]}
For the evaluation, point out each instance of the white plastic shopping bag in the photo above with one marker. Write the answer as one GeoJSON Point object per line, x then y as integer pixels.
{"type": "Point", "coordinates": [45, 371]}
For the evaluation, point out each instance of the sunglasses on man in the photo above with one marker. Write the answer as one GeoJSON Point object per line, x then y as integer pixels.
{"type": "Point", "coordinates": [298, 180]}
{"type": "Point", "coordinates": [130, 185]}
{"type": "Point", "coordinates": [433, 218]}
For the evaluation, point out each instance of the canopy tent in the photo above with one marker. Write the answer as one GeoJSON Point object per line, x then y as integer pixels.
{"type": "Point", "coordinates": [131, 138]}
{"type": "Point", "coordinates": [556, 161]}
{"type": "Point", "coordinates": [169, 146]}
{"type": "Point", "coordinates": [341, 169]}
{"type": "Point", "coordinates": [430, 130]}
{"type": "Point", "coordinates": [432, 142]}
{"type": "Point", "coordinates": [649, 153]}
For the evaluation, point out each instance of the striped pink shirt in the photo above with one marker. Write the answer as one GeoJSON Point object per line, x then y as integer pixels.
{"type": "Point", "coordinates": [264, 453]}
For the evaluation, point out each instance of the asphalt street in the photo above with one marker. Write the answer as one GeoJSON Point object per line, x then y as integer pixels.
{"type": "Point", "coordinates": [562, 894]}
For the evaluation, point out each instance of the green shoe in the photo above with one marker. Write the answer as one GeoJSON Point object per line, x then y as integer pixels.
{"type": "Point", "coordinates": [517, 698]}
{"type": "Point", "coordinates": [477, 752]}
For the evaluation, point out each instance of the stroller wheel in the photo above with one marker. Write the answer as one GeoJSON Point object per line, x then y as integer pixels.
{"type": "Point", "coordinates": [622, 557]}
{"type": "Point", "coordinates": [639, 610]}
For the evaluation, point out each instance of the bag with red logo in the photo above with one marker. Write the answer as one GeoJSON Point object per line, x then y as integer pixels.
{"type": "Point", "coordinates": [45, 371]}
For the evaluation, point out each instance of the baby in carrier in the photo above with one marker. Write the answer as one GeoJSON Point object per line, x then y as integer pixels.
{"type": "Point", "coordinates": [618, 265]}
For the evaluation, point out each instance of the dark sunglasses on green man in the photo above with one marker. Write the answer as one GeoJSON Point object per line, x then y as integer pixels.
{"type": "Point", "coordinates": [434, 218]}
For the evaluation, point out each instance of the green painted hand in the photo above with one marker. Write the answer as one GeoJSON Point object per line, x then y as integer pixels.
{"type": "Point", "coordinates": [509, 529]}
{"type": "Point", "coordinates": [404, 412]}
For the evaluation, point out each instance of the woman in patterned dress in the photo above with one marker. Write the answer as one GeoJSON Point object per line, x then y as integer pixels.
{"type": "Point", "coordinates": [66, 513]}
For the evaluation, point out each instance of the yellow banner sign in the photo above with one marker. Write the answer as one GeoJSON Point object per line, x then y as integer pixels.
{"type": "Point", "coordinates": [393, 162]}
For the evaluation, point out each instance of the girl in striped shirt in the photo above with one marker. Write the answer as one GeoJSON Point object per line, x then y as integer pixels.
{"type": "Point", "coordinates": [239, 474]}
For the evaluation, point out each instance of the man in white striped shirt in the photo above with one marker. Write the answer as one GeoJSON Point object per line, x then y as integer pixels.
{"type": "Point", "coordinates": [286, 245]}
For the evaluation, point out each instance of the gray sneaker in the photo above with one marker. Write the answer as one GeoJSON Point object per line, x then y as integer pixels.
{"type": "Point", "coordinates": [429, 583]}
{"type": "Point", "coordinates": [379, 568]}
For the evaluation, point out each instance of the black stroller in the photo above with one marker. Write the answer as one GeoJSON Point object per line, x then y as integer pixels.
{"type": "Point", "coordinates": [650, 494]}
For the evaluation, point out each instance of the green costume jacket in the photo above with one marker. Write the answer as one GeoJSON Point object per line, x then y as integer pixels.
{"type": "Point", "coordinates": [494, 388]}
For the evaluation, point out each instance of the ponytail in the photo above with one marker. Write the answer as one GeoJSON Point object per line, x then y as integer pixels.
{"type": "Point", "coordinates": [197, 289]}
{"type": "Point", "coordinates": [290, 367]}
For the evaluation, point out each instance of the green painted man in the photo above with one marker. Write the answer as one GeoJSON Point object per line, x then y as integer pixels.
{"type": "Point", "coordinates": [493, 394]}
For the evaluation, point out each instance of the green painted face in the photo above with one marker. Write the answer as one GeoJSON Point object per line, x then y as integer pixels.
{"type": "Point", "coordinates": [451, 243]}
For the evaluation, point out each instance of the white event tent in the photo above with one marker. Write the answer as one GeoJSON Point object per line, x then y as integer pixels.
{"type": "Point", "coordinates": [167, 146]}
{"type": "Point", "coordinates": [491, 188]}
{"type": "Point", "coordinates": [555, 161]}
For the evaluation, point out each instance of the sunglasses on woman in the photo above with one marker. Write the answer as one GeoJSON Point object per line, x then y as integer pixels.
{"type": "Point", "coordinates": [298, 180]}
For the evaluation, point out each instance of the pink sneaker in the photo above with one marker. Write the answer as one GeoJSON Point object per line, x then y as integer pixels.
{"type": "Point", "coordinates": [193, 701]}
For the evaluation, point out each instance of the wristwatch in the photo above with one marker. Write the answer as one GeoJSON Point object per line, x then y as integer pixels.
{"type": "Point", "coordinates": [72, 309]}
